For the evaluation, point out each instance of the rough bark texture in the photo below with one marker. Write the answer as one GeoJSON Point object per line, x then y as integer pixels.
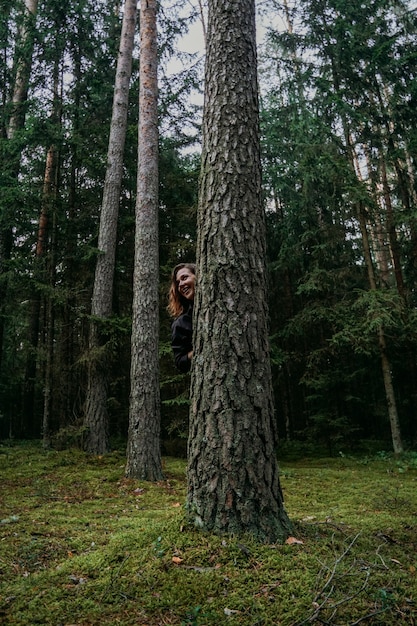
{"type": "Point", "coordinates": [143, 450]}
{"type": "Point", "coordinates": [233, 478]}
{"type": "Point", "coordinates": [96, 415]}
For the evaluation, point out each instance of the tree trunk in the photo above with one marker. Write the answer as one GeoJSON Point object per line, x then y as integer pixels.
{"type": "Point", "coordinates": [392, 233]}
{"type": "Point", "coordinates": [385, 364]}
{"type": "Point", "coordinates": [143, 449]}
{"type": "Point", "coordinates": [233, 478]}
{"type": "Point", "coordinates": [44, 270]}
{"type": "Point", "coordinates": [96, 414]}
{"type": "Point", "coordinates": [17, 121]}
{"type": "Point", "coordinates": [23, 64]}
{"type": "Point", "coordinates": [48, 199]}
{"type": "Point", "coordinates": [49, 341]}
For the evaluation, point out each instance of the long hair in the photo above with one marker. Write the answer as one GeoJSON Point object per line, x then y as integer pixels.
{"type": "Point", "coordinates": [177, 304]}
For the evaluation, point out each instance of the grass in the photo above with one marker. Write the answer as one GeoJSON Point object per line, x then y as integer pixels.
{"type": "Point", "coordinates": [81, 545]}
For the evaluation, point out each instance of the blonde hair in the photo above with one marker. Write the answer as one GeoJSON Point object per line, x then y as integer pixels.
{"type": "Point", "coordinates": [177, 304]}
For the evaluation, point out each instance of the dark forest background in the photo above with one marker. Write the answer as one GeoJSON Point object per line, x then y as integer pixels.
{"type": "Point", "coordinates": [339, 152]}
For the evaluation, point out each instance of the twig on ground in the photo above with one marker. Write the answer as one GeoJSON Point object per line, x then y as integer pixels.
{"type": "Point", "coordinates": [335, 566]}
{"type": "Point", "coordinates": [362, 619]}
{"type": "Point", "coordinates": [321, 600]}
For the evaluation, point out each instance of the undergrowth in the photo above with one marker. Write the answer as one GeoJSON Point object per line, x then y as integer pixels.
{"type": "Point", "coordinates": [81, 545]}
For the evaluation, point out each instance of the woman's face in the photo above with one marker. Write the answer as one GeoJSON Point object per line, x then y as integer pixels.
{"type": "Point", "coordinates": [185, 281]}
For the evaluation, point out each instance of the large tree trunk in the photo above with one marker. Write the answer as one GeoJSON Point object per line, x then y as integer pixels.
{"type": "Point", "coordinates": [143, 449]}
{"type": "Point", "coordinates": [233, 478]}
{"type": "Point", "coordinates": [96, 414]}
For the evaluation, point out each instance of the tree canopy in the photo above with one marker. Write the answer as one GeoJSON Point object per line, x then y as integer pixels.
{"type": "Point", "coordinates": [338, 139]}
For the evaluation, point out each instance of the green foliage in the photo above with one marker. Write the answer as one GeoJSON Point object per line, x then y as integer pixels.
{"type": "Point", "coordinates": [331, 126]}
{"type": "Point", "coordinates": [81, 44]}
{"type": "Point", "coordinates": [341, 69]}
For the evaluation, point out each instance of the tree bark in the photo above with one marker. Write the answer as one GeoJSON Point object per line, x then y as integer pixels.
{"type": "Point", "coordinates": [233, 478]}
{"type": "Point", "coordinates": [143, 449]}
{"type": "Point", "coordinates": [96, 413]}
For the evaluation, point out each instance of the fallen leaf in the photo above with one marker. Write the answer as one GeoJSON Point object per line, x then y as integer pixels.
{"type": "Point", "coordinates": [395, 561]}
{"type": "Point", "coordinates": [292, 540]}
{"type": "Point", "coordinates": [139, 491]}
{"type": "Point", "coordinates": [176, 504]}
{"type": "Point", "coordinates": [230, 612]}
{"type": "Point", "coordinates": [177, 560]}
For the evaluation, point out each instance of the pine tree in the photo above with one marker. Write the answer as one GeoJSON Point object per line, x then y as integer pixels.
{"type": "Point", "coordinates": [233, 481]}
{"type": "Point", "coordinates": [22, 63]}
{"type": "Point", "coordinates": [96, 415]}
{"type": "Point", "coordinates": [143, 448]}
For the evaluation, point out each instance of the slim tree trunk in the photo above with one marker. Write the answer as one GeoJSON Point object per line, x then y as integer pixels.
{"type": "Point", "coordinates": [392, 233]}
{"type": "Point", "coordinates": [385, 364]}
{"type": "Point", "coordinates": [69, 400]}
{"type": "Point", "coordinates": [49, 337]}
{"type": "Point", "coordinates": [96, 414]}
{"type": "Point", "coordinates": [17, 122]}
{"type": "Point", "coordinates": [374, 223]}
{"type": "Point", "coordinates": [44, 272]}
{"type": "Point", "coordinates": [23, 64]}
{"type": "Point", "coordinates": [23, 67]}
{"type": "Point", "coordinates": [47, 222]}
{"type": "Point", "coordinates": [233, 481]}
{"type": "Point", "coordinates": [143, 448]}
{"type": "Point", "coordinates": [48, 200]}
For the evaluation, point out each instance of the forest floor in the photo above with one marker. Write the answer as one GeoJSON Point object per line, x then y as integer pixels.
{"type": "Point", "coordinates": [82, 545]}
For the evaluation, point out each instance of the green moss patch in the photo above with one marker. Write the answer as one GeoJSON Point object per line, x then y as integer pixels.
{"type": "Point", "coordinates": [82, 545]}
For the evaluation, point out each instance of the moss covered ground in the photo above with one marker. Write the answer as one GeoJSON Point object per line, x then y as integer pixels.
{"type": "Point", "coordinates": [82, 545]}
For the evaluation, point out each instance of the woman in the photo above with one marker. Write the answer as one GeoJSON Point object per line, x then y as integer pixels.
{"type": "Point", "coordinates": [180, 306]}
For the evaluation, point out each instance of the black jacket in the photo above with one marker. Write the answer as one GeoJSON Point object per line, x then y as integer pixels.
{"type": "Point", "coordinates": [182, 340]}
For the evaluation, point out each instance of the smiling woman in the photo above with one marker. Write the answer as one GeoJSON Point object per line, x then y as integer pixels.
{"type": "Point", "coordinates": [180, 306]}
